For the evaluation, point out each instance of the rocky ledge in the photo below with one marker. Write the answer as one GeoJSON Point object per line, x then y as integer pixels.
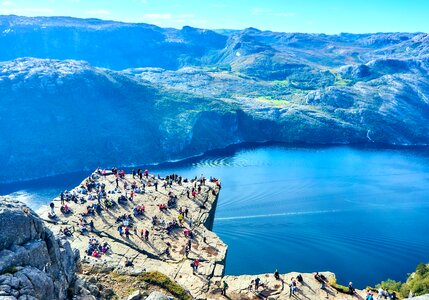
{"type": "Point", "coordinates": [131, 230]}
{"type": "Point", "coordinates": [176, 212]}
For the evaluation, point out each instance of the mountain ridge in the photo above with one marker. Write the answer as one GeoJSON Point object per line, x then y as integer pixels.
{"type": "Point", "coordinates": [117, 95]}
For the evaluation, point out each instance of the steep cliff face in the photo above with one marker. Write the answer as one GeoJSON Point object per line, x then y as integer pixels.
{"type": "Point", "coordinates": [63, 116]}
{"type": "Point", "coordinates": [34, 264]}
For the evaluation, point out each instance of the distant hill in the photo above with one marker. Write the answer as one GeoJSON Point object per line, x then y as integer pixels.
{"type": "Point", "coordinates": [78, 93]}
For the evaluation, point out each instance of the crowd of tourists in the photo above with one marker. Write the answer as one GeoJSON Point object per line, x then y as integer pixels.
{"type": "Point", "coordinates": [98, 196]}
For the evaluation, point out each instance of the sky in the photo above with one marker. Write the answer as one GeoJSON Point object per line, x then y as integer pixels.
{"type": "Point", "coordinates": [313, 16]}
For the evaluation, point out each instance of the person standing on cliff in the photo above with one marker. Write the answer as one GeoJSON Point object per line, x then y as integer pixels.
{"type": "Point", "coordinates": [52, 206]}
{"type": "Point", "coordinates": [351, 288]}
{"type": "Point", "coordinates": [196, 264]}
{"type": "Point", "coordinates": [257, 281]}
{"type": "Point", "coordinates": [277, 275]}
{"type": "Point", "coordinates": [225, 287]}
{"type": "Point", "coordinates": [292, 287]}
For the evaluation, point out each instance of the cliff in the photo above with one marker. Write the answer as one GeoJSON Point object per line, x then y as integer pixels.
{"type": "Point", "coordinates": [132, 259]}
{"type": "Point", "coordinates": [34, 263]}
{"type": "Point", "coordinates": [165, 248]}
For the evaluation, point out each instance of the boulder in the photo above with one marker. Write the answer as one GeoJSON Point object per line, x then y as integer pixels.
{"type": "Point", "coordinates": [34, 263]}
{"type": "Point", "coordinates": [157, 296]}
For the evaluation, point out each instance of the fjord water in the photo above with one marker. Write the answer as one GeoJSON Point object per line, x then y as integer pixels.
{"type": "Point", "coordinates": [361, 213]}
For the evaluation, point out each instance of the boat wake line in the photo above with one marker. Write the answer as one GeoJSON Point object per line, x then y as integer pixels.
{"type": "Point", "coordinates": [278, 215]}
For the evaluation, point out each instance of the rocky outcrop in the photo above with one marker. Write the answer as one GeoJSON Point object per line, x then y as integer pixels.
{"type": "Point", "coordinates": [164, 250]}
{"type": "Point", "coordinates": [34, 263]}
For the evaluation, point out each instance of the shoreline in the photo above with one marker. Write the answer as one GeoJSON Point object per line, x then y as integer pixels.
{"type": "Point", "coordinates": [228, 150]}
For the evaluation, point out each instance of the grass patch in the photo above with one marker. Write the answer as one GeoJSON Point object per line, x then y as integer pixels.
{"type": "Point", "coordinates": [163, 281]}
{"type": "Point", "coordinates": [274, 102]}
{"type": "Point", "coordinates": [340, 288]}
{"type": "Point", "coordinates": [417, 283]}
{"type": "Point", "coordinates": [342, 82]}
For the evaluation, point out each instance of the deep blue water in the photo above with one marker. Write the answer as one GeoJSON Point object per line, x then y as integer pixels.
{"type": "Point", "coordinates": [361, 213]}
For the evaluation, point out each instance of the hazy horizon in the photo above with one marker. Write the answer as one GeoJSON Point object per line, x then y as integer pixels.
{"type": "Point", "coordinates": [213, 29]}
{"type": "Point", "coordinates": [329, 17]}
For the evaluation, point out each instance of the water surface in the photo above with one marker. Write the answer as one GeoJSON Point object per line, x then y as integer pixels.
{"type": "Point", "coordinates": [361, 213]}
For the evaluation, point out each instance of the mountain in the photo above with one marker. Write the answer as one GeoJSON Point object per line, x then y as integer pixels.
{"type": "Point", "coordinates": [80, 93]}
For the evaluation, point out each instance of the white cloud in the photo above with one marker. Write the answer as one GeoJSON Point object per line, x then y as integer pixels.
{"type": "Point", "coordinates": [98, 12]}
{"type": "Point", "coordinates": [7, 3]}
{"type": "Point", "coordinates": [153, 17]}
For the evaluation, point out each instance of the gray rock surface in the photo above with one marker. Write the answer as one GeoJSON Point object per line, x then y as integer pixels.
{"type": "Point", "coordinates": [34, 264]}
{"type": "Point", "coordinates": [158, 296]}
{"type": "Point", "coordinates": [134, 295]}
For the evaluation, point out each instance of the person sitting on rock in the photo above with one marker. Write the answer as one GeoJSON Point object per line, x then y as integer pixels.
{"type": "Point", "coordinates": [109, 203]}
{"type": "Point", "coordinates": [66, 231]}
{"type": "Point", "coordinates": [105, 247]}
{"type": "Point", "coordinates": [128, 262]}
{"type": "Point", "coordinates": [95, 253]}
{"type": "Point", "coordinates": [127, 231]}
{"type": "Point", "coordinates": [65, 209]}
{"type": "Point", "coordinates": [122, 199]}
